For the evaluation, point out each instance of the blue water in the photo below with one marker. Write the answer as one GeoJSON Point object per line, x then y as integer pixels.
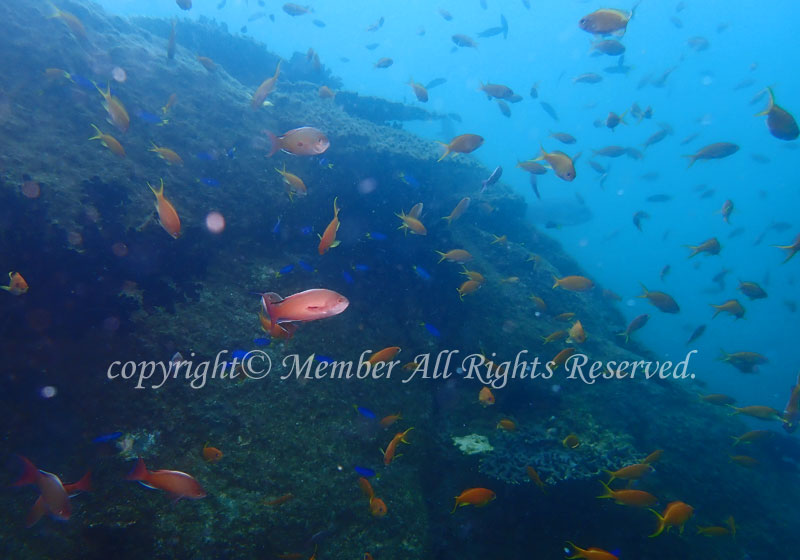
{"type": "Point", "coordinates": [546, 47]}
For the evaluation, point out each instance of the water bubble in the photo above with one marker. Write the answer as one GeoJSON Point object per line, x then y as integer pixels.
{"type": "Point", "coordinates": [215, 222]}
{"type": "Point", "coordinates": [366, 186]}
{"type": "Point", "coordinates": [48, 392]}
{"type": "Point", "coordinates": [119, 74]}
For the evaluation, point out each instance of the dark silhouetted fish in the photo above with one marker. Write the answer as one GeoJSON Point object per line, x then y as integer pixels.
{"type": "Point", "coordinates": [435, 83]}
{"type": "Point", "coordinates": [549, 109]}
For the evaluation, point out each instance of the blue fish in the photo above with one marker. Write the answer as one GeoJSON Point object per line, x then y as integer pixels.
{"type": "Point", "coordinates": [261, 341]}
{"type": "Point", "coordinates": [409, 180]}
{"type": "Point", "coordinates": [364, 471]}
{"type": "Point", "coordinates": [365, 412]}
{"type": "Point", "coordinates": [323, 359]}
{"type": "Point", "coordinates": [209, 181]}
{"type": "Point", "coordinates": [376, 236]}
{"type": "Point", "coordinates": [306, 230]}
{"type": "Point", "coordinates": [206, 156]}
{"type": "Point", "coordinates": [105, 438]}
{"type": "Point", "coordinates": [347, 277]}
{"type": "Point", "coordinates": [422, 273]}
{"type": "Point", "coordinates": [239, 354]}
{"type": "Point", "coordinates": [276, 229]}
{"type": "Point", "coordinates": [360, 267]}
{"type": "Point", "coordinates": [305, 266]}
{"type": "Point", "coordinates": [148, 117]}
{"type": "Point", "coordinates": [285, 270]}
{"type": "Point", "coordinates": [431, 329]}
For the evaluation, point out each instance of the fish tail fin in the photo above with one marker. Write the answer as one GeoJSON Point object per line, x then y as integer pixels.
{"type": "Point", "coordinates": [56, 12]}
{"type": "Point", "coordinates": [37, 511]}
{"type": "Point", "coordinates": [557, 281]}
{"type": "Point", "coordinates": [84, 484]}
{"type": "Point", "coordinates": [735, 410]}
{"type": "Point", "coordinates": [644, 291]}
{"type": "Point", "coordinates": [626, 335]}
{"type": "Point", "coordinates": [158, 192]}
{"type": "Point", "coordinates": [444, 256]}
{"type": "Point", "coordinates": [448, 218]}
{"type": "Point", "coordinates": [139, 472]}
{"type": "Point", "coordinates": [446, 151]}
{"type": "Point", "coordinates": [692, 159]}
{"type": "Point", "coordinates": [30, 473]}
{"type": "Point", "coordinates": [403, 437]}
{"type": "Point", "coordinates": [335, 207]}
{"type": "Point", "coordinates": [660, 528]}
{"type": "Point", "coordinates": [718, 309]}
{"type": "Point", "coordinates": [770, 104]}
{"type": "Point", "coordinates": [99, 134]}
{"type": "Point", "coordinates": [575, 550]}
{"type": "Point", "coordinates": [275, 143]}
{"type": "Point", "coordinates": [736, 440]}
{"type": "Point", "coordinates": [607, 492]}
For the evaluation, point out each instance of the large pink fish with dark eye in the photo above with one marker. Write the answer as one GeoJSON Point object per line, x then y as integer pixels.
{"type": "Point", "coordinates": [309, 305]}
{"type": "Point", "coordinates": [303, 141]}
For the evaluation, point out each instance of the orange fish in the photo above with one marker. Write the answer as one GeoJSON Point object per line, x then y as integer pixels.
{"type": "Point", "coordinates": [576, 334]}
{"type": "Point", "coordinates": [387, 421]}
{"type": "Point", "coordinates": [294, 184]}
{"type": "Point", "coordinates": [468, 287]}
{"type": "Point", "coordinates": [385, 355]}
{"type": "Point", "coordinates": [377, 507]}
{"type": "Point", "coordinates": [477, 497]}
{"type": "Point", "coordinates": [486, 397]}
{"type": "Point", "coordinates": [653, 457]}
{"type": "Point", "coordinates": [171, 102]}
{"type": "Point", "coordinates": [534, 476]}
{"type": "Point", "coordinates": [70, 20]}
{"type": "Point", "coordinates": [473, 275]}
{"type": "Point", "coordinates": [462, 144]}
{"type": "Point", "coordinates": [562, 357]}
{"type": "Point", "coordinates": [366, 487]}
{"type": "Point", "coordinates": [328, 237]}
{"type": "Point", "coordinates": [207, 63]}
{"type": "Point", "coordinates": [54, 496]}
{"type": "Point", "coordinates": [561, 163]}
{"type": "Point", "coordinates": [211, 454]}
{"type": "Point", "coordinates": [310, 305]}
{"type": "Point", "coordinates": [303, 141]}
{"type": "Point", "coordinates": [731, 306]}
{"type": "Point", "coordinates": [411, 223]}
{"type": "Point", "coordinates": [266, 87]}
{"type": "Point", "coordinates": [573, 283]}
{"type": "Point", "coordinates": [391, 449]}
{"type": "Point", "coordinates": [455, 255]}
{"type": "Point", "coordinates": [458, 211]}
{"type": "Point", "coordinates": [117, 114]}
{"type": "Point", "coordinates": [710, 247]}
{"type": "Point", "coordinates": [326, 93]}
{"type": "Point", "coordinates": [419, 90]}
{"type": "Point", "coordinates": [676, 514]}
{"type": "Point", "coordinates": [170, 156]}
{"type": "Point", "coordinates": [588, 553]}
{"type": "Point", "coordinates": [555, 337]}
{"type": "Point", "coordinates": [16, 284]}
{"type": "Point", "coordinates": [506, 424]}
{"type": "Point", "coordinates": [635, 498]}
{"type": "Point", "coordinates": [109, 142]}
{"type": "Point", "coordinates": [167, 215]}
{"type": "Point", "coordinates": [564, 317]}
{"type": "Point", "coordinates": [662, 301]}
{"type": "Point", "coordinates": [631, 472]}
{"type": "Point", "coordinates": [279, 500]}
{"type": "Point", "coordinates": [178, 484]}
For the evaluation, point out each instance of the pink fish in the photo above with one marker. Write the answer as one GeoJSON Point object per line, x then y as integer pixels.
{"type": "Point", "coordinates": [309, 305]}
{"type": "Point", "coordinates": [178, 484]}
{"type": "Point", "coordinates": [304, 141]}
{"type": "Point", "coordinates": [53, 495]}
